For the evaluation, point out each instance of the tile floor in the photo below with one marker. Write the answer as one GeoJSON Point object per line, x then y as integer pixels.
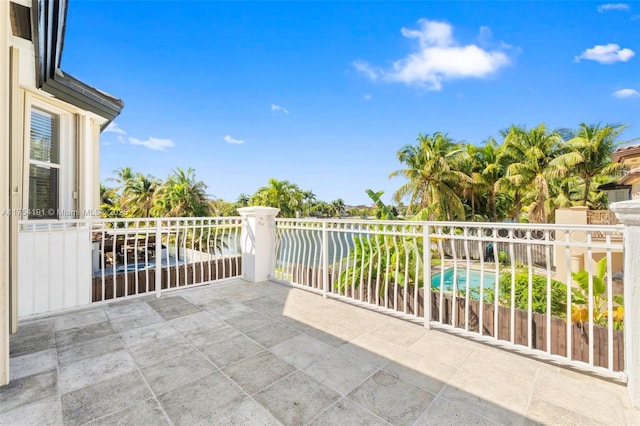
{"type": "Point", "coordinates": [242, 353]}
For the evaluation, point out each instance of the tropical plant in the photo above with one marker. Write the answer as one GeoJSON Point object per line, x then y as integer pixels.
{"type": "Point", "coordinates": [589, 156]}
{"type": "Point", "coordinates": [138, 195]}
{"type": "Point", "coordinates": [384, 212]}
{"type": "Point", "coordinates": [433, 177]}
{"type": "Point", "coordinates": [532, 152]}
{"type": "Point", "coordinates": [374, 257]}
{"type": "Point", "coordinates": [580, 298]}
{"type": "Point", "coordinates": [243, 200]}
{"type": "Point", "coordinates": [538, 293]}
{"type": "Point", "coordinates": [339, 207]}
{"type": "Point", "coordinates": [490, 172]}
{"type": "Point", "coordinates": [321, 209]}
{"type": "Point", "coordinates": [309, 198]}
{"type": "Point", "coordinates": [280, 194]}
{"type": "Point", "coordinates": [109, 202]}
{"type": "Point", "coordinates": [182, 195]}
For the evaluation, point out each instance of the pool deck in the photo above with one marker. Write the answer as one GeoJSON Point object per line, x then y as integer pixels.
{"type": "Point", "coordinates": [265, 353]}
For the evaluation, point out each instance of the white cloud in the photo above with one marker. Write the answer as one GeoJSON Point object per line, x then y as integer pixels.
{"type": "Point", "coordinates": [367, 97]}
{"type": "Point", "coordinates": [232, 140]}
{"type": "Point", "coordinates": [276, 108]}
{"type": "Point", "coordinates": [612, 6]}
{"type": "Point", "coordinates": [367, 70]}
{"type": "Point", "coordinates": [606, 54]}
{"type": "Point", "coordinates": [120, 138]}
{"type": "Point", "coordinates": [438, 58]}
{"type": "Point", "coordinates": [626, 93]}
{"type": "Point", "coordinates": [114, 128]}
{"type": "Point", "coordinates": [485, 35]}
{"type": "Point", "coordinates": [155, 144]}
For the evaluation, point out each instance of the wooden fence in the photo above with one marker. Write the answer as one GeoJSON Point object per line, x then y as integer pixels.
{"type": "Point", "coordinates": [394, 300]}
{"type": "Point", "coordinates": [144, 280]}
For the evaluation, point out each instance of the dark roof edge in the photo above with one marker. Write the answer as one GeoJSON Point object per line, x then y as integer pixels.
{"type": "Point", "coordinates": [613, 186]}
{"type": "Point", "coordinates": [49, 24]}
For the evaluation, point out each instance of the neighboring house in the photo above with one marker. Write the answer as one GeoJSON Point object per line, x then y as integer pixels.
{"type": "Point", "coordinates": [50, 126]}
{"type": "Point", "coordinates": [628, 186]}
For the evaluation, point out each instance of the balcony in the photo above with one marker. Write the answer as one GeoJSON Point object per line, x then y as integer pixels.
{"type": "Point", "coordinates": [266, 353]}
{"type": "Point", "coordinates": [303, 321]}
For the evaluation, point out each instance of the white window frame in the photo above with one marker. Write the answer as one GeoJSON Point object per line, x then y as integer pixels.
{"type": "Point", "coordinates": [68, 154]}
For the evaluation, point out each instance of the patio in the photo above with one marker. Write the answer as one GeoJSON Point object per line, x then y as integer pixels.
{"type": "Point", "coordinates": [243, 353]}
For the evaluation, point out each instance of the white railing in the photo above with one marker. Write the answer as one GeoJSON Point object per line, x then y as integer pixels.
{"type": "Point", "coordinates": [70, 263]}
{"type": "Point", "coordinates": [507, 283]}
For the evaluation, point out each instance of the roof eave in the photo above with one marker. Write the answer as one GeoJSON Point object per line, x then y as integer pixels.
{"type": "Point", "coordinates": [49, 24]}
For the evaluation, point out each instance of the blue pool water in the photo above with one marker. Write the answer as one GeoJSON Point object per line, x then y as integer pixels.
{"type": "Point", "coordinates": [474, 279]}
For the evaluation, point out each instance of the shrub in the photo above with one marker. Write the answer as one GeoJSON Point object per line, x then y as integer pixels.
{"type": "Point", "coordinates": [539, 293]}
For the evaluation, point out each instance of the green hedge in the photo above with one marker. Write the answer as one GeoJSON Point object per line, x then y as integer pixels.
{"type": "Point", "coordinates": [539, 293]}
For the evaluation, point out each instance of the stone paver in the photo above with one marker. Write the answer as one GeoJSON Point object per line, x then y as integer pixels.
{"type": "Point", "coordinates": [258, 371]}
{"type": "Point", "coordinates": [200, 401]}
{"type": "Point", "coordinates": [268, 354]}
{"type": "Point", "coordinates": [99, 399]}
{"type": "Point", "coordinates": [393, 399]}
{"type": "Point", "coordinates": [296, 399]}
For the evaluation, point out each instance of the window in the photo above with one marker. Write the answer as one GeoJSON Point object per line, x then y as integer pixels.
{"type": "Point", "coordinates": [44, 165]}
{"type": "Point", "coordinates": [51, 167]}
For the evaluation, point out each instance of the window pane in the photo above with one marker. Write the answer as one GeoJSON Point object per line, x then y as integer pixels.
{"type": "Point", "coordinates": [43, 192]}
{"type": "Point", "coordinates": [45, 144]}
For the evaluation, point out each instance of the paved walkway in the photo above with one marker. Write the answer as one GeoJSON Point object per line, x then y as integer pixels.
{"type": "Point", "coordinates": [240, 353]}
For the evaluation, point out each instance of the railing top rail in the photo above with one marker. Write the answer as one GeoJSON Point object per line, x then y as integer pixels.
{"type": "Point", "coordinates": [492, 225]}
{"type": "Point", "coordinates": [61, 222]}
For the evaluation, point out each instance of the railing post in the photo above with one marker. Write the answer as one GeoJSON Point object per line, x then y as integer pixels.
{"type": "Point", "coordinates": [426, 287]}
{"type": "Point", "coordinates": [158, 270]}
{"type": "Point", "coordinates": [628, 213]}
{"type": "Point", "coordinates": [325, 260]}
{"type": "Point", "coordinates": [258, 243]}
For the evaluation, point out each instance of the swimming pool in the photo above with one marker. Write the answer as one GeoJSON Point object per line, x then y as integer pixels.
{"type": "Point", "coordinates": [474, 279]}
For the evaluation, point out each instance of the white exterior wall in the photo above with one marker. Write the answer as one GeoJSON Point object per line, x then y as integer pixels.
{"type": "Point", "coordinates": [613, 196]}
{"type": "Point", "coordinates": [46, 278]}
{"type": "Point", "coordinates": [4, 192]}
{"type": "Point", "coordinates": [54, 270]}
{"type": "Point", "coordinates": [635, 191]}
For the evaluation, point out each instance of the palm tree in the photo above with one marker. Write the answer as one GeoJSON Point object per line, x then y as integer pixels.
{"type": "Point", "coordinates": [138, 195]}
{"type": "Point", "coordinates": [339, 207]}
{"type": "Point", "coordinates": [491, 171]}
{"type": "Point", "coordinates": [532, 152]}
{"type": "Point", "coordinates": [182, 196]}
{"type": "Point", "coordinates": [321, 209]}
{"type": "Point", "coordinates": [281, 194]}
{"type": "Point", "coordinates": [434, 177]}
{"type": "Point", "coordinates": [589, 156]}
{"type": "Point", "coordinates": [109, 202]}
{"type": "Point", "coordinates": [243, 200]}
{"type": "Point", "coordinates": [472, 187]}
{"type": "Point", "coordinates": [309, 198]}
{"type": "Point", "coordinates": [123, 176]}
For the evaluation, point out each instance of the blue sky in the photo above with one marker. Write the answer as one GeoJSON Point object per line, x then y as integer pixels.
{"type": "Point", "coordinates": [325, 93]}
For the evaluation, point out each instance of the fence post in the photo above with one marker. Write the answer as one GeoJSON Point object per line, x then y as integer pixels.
{"type": "Point", "coordinates": [258, 243]}
{"type": "Point", "coordinates": [158, 270]}
{"type": "Point", "coordinates": [628, 213]}
{"type": "Point", "coordinates": [325, 260]}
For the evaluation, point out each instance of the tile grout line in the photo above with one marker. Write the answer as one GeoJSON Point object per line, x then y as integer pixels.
{"type": "Point", "coordinates": [144, 379]}
{"type": "Point", "coordinates": [530, 397]}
